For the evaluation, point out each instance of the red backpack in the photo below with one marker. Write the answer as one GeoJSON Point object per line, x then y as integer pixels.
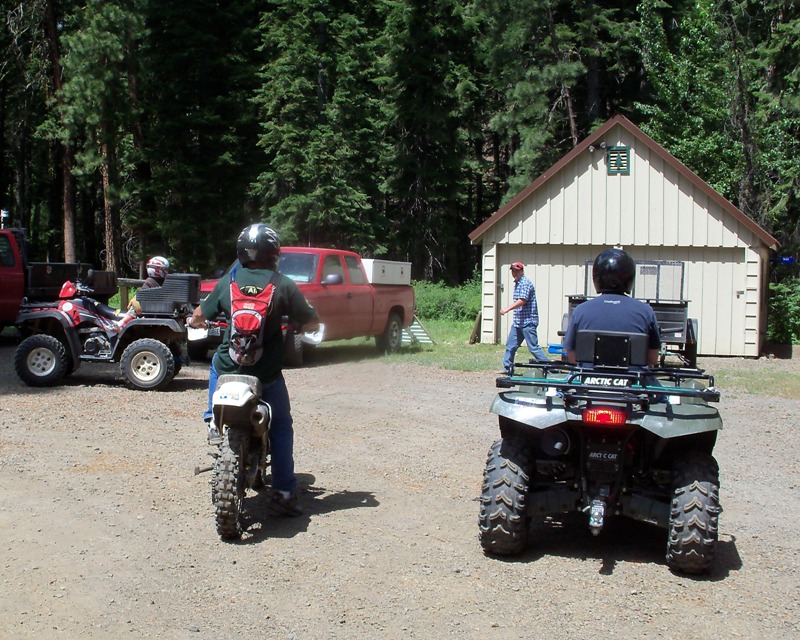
{"type": "Point", "coordinates": [249, 313]}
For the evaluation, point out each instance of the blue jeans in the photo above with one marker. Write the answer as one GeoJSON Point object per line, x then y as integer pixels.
{"type": "Point", "coordinates": [515, 338]}
{"type": "Point", "coordinates": [281, 433]}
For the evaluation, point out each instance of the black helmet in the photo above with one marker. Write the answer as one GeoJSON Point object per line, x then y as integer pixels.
{"type": "Point", "coordinates": [613, 272]}
{"type": "Point", "coordinates": [258, 243]}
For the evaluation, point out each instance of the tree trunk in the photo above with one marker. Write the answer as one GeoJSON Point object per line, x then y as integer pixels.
{"type": "Point", "coordinates": [566, 94]}
{"type": "Point", "coordinates": [112, 222]}
{"type": "Point", "coordinates": [67, 185]}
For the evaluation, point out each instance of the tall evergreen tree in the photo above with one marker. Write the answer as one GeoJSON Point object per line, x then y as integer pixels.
{"type": "Point", "coordinates": [321, 116]}
{"type": "Point", "coordinates": [429, 70]}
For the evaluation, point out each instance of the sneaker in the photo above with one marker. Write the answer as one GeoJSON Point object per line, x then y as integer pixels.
{"type": "Point", "coordinates": [214, 436]}
{"type": "Point", "coordinates": [286, 503]}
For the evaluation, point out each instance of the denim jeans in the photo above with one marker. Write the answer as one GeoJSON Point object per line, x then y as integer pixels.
{"type": "Point", "coordinates": [516, 337]}
{"type": "Point", "coordinates": [281, 433]}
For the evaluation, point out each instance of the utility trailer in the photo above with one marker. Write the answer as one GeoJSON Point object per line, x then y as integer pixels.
{"type": "Point", "coordinates": [659, 283]}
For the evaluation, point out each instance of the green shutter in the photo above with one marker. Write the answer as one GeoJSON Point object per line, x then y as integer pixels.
{"type": "Point", "coordinates": [618, 161]}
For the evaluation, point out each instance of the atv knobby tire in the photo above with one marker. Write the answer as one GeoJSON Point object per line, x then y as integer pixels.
{"type": "Point", "coordinates": [228, 484]}
{"type": "Point", "coordinates": [694, 515]}
{"type": "Point", "coordinates": [503, 522]}
{"type": "Point", "coordinates": [40, 361]}
{"type": "Point", "coordinates": [147, 364]}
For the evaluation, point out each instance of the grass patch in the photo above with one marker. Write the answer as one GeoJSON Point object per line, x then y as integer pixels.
{"type": "Point", "coordinates": [762, 378]}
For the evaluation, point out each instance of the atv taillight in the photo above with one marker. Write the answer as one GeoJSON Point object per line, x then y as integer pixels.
{"type": "Point", "coordinates": [605, 416]}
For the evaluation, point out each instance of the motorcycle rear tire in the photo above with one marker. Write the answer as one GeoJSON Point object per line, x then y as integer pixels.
{"type": "Point", "coordinates": [228, 484]}
{"type": "Point", "coordinates": [147, 364]}
{"type": "Point", "coordinates": [503, 522]}
{"type": "Point", "coordinates": [694, 515]}
{"type": "Point", "coordinates": [40, 361]}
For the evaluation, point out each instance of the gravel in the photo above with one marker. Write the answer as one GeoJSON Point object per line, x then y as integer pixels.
{"type": "Point", "coordinates": [107, 530]}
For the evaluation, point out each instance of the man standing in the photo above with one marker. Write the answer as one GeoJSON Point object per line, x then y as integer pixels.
{"type": "Point", "coordinates": [526, 318]}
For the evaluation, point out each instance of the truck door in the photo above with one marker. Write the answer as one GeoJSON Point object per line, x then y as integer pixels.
{"type": "Point", "coordinates": [359, 297]}
{"type": "Point", "coordinates": [12, 280]}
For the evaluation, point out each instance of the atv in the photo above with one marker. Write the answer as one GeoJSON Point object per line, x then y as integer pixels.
{"type": "Point", "coordinates": [608, 437]}
{"type": "Point", "coordinates": [81, 327]}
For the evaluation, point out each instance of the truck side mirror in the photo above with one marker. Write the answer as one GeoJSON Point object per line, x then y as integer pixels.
{"type": "Point", "coordinates": [333, 278]}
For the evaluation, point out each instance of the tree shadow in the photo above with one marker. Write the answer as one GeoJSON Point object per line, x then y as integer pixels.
{"type": "Point", "coordinates": [621, 540]}
{"type": "Point", "coordinates": [261, 523]}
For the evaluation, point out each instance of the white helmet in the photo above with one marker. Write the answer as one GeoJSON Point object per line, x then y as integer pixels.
{"type": "Point", "coordinates": [157, 267]}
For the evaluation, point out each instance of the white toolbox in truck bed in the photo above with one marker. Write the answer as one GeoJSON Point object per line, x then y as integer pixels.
{"type": "Point", "coordinates": [387, 271]}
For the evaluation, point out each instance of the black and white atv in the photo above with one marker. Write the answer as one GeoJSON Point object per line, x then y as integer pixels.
{"type": "Point", "coordinates": [611, 438]}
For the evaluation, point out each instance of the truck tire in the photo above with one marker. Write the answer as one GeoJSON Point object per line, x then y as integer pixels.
{"type": "Point", "coordinates": [694, 515]}
{"type": "Point", "coordinates": [392, 337]}
{"type": "Point", "coordinates": [292, 349]}
{"type": "Point", "coordinates": [40, 361]}
{"type": "Point", "coordinates": [147, 364]}
{"type": "Point", "coordinates": [228, 484]}
{"type": "Point", "coordinates": [503, 522]}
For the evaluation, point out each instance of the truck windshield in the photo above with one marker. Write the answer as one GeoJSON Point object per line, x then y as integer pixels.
{"type": "Point", "coordinates": [300, 267]}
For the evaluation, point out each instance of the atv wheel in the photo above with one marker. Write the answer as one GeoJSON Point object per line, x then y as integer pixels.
{"type": "Point", "coordinates": [40, 361]}
{"type": "Point", "coordinates": [147, 364]}
{"type": "Point", "coordinates": [502, 521]}
{"type": "Point", "coordinates": [694, 517]}
{"type": "Point", "coordinates": [228, 484]}
{"type": "Point", "coordinates": [391, 339]}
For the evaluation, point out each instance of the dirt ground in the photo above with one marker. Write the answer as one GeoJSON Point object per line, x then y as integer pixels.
{"type": "Point", "coordinates": [107, 533]}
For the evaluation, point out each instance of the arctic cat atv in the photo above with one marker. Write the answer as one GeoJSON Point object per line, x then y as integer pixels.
{"type": "Point", "coordinates": [608, 438]}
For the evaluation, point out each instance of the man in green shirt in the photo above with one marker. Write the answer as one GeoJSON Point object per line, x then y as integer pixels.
{"type": "Point", "coordinates": [258, 248]}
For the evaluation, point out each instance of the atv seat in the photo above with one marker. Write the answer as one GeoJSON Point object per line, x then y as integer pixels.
{"type": "Point", "coordinates": [611, 349]}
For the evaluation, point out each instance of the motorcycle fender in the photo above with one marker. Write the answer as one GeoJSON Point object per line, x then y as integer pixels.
{"type": "Point", "coordinates": [676, 420]}
{"type": "Point", "coordinates": [73, 343]}
{"type": "Point", "coordinates": [537, 411]}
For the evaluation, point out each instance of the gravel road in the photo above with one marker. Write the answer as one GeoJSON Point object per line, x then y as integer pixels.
{"type": "Point", "coordinates": [107, 533]}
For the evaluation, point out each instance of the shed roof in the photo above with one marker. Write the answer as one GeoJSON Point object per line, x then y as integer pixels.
{"type": "Point", "coordinates": [655, 148]}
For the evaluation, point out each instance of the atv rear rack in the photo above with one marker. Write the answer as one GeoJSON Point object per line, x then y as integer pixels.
{"type": "Point", "coordinates": [576, 383]}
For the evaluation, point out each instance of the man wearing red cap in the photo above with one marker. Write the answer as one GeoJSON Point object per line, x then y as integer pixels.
{"type": "Point", "coordinates": [526, 318]}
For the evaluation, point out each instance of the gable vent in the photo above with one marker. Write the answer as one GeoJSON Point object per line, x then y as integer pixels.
{"type": "Point", "coordinates": [618, 160]}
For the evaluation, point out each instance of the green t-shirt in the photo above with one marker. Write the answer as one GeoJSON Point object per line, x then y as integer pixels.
{"type": "Point", "coordinates": [287, 300]}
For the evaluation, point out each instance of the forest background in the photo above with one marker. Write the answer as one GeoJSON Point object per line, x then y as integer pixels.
{"type": "Point", "coordinates": [130, 128]}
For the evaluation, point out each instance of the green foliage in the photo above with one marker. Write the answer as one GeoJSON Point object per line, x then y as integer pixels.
{"type": "Point", "coordinates": [783, 325]}
{"type": "Point", "coordinates": [437, 301]}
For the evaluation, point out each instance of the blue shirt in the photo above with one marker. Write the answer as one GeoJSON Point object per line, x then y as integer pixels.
{"type": "Point", "coordinates": [528, 313]}
{"type": "Point", "coordinates": [613, 312]}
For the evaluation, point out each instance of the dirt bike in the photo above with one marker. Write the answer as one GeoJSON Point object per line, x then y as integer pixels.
{"type": "Point", "coordinates": [605, 438]}
{"type": "Point", "coordinates": [59, 336]}
{"type": "Point", "coordinates": [243, 419]}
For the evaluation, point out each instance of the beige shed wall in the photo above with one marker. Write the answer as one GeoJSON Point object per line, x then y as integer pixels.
{"type": "Point", "coordinates": [654, 213]}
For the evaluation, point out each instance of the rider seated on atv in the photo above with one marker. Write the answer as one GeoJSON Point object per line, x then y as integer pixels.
{"type": "Point", "coordinates": [157, 270]}
{"type": "Point", "coordinates": [613, 273]}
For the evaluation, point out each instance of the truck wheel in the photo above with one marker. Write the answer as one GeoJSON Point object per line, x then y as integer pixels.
{"type": "Point", "coordinates": [147, 364]}
{"type": "Point", "coordinates": [694, 516]}
{"type": "Point", "coordinates": [392, 337]}
{"type": "Point", "coordinates": [292, 349]}
{"type": "Point", "coordinates": [40, 361]}
{"type": "Point", "coordinates": [502, 522]}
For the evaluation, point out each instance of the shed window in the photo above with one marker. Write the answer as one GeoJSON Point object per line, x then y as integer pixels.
{"type": "Point", "coordinates": [618, 160]}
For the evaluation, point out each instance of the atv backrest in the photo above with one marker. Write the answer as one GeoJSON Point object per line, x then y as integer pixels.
{"type": "Point", "coordinates": [611, 348]}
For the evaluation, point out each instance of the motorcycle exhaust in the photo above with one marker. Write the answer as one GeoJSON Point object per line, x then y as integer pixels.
{"type": "Point", "coordinates": [555, 442]}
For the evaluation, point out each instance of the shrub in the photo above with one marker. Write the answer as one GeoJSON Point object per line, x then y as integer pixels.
{"type": "Point", "coordinates": [783, 321]}
{"type": "Point", "coordinates": [436, 301]}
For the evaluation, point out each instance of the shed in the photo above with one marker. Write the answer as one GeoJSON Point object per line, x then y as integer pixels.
{"type": "Point", "coordinates": [618, 187]}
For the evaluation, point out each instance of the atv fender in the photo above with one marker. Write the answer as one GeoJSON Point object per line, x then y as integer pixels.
{"type": "Point", "coordinates": [70, 338]}
{"type": "Point", "coordinates": [537, 411]}
{"type": "Point", "coordinates": [676, 420]}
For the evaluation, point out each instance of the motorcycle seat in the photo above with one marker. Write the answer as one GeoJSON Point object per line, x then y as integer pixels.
{"type": "Point", "coordinates": [611, 348]}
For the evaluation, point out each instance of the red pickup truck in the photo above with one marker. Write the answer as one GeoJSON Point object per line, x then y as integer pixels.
{"type": "Point", "coordinates": [351, 301]}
